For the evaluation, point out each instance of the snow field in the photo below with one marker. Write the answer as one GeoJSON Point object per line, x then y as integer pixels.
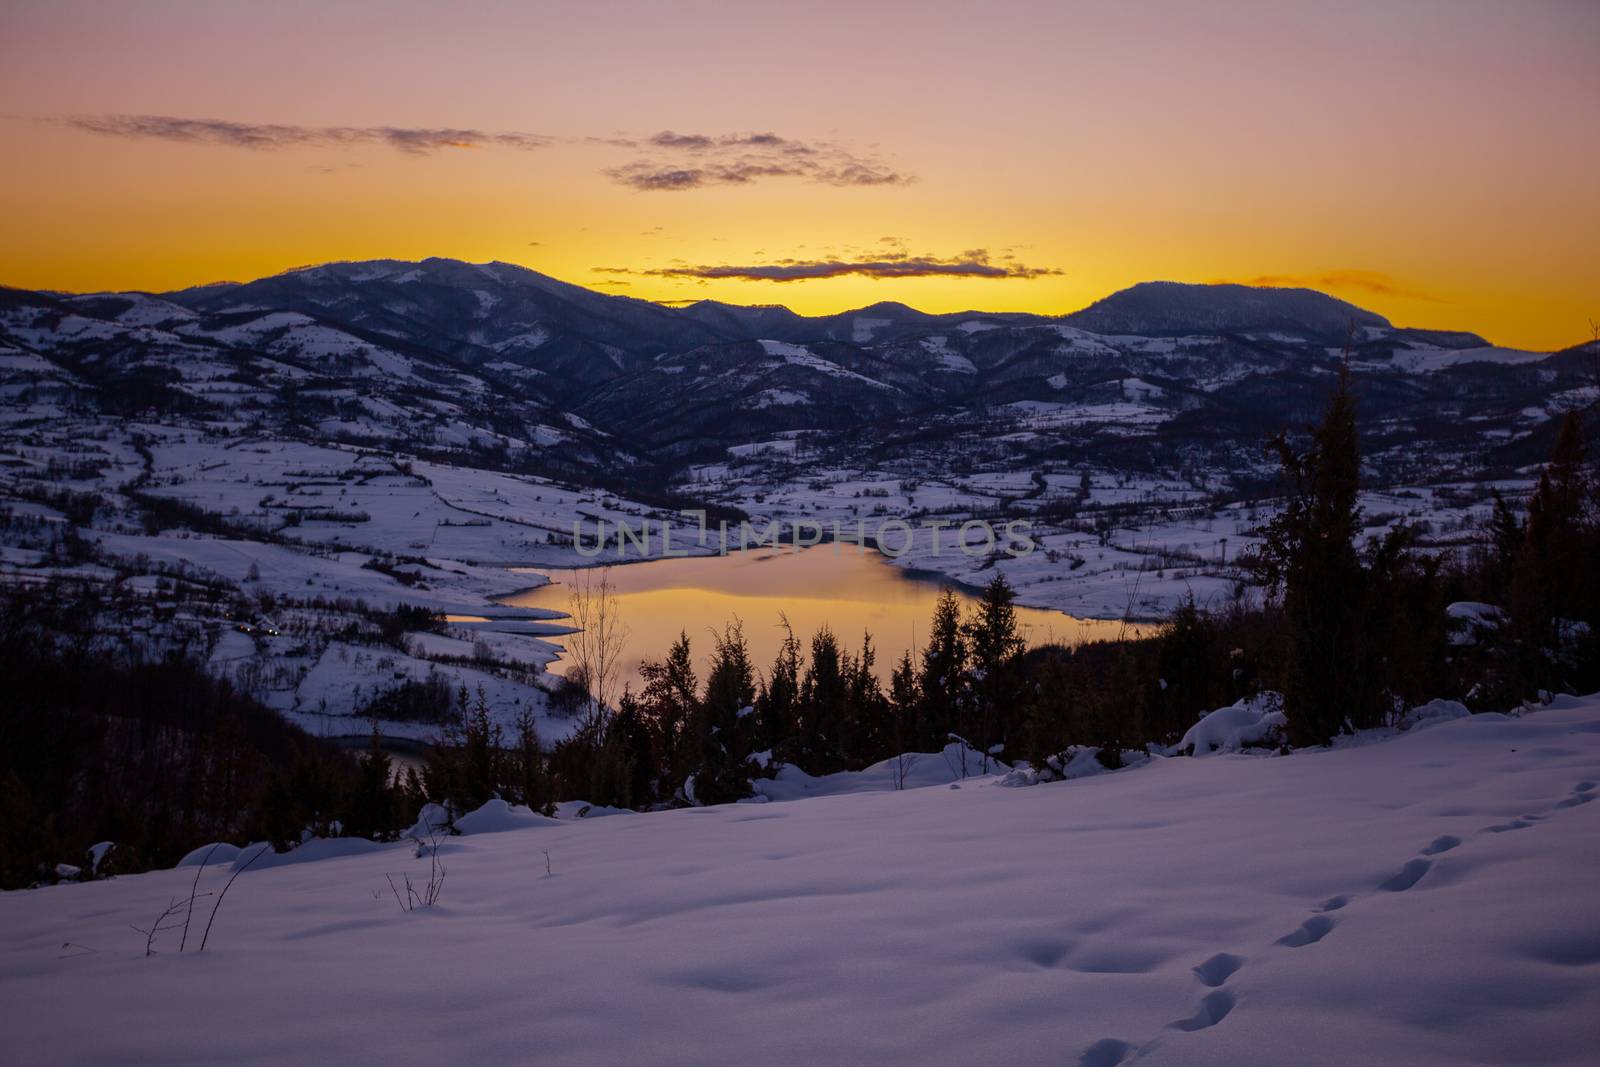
{"type": "Point", "coordinates": [1423, 900]}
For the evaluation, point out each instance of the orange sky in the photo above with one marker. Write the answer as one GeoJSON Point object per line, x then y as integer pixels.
{"type": "Point", "coordinates": [1434, 161]}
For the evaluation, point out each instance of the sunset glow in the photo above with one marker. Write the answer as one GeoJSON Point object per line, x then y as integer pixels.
{"type": "Point", "coordinates": [1431, 161]}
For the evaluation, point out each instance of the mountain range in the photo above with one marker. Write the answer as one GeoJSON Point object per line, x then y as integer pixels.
{"type": "Point", "coordinates": [520, 368]}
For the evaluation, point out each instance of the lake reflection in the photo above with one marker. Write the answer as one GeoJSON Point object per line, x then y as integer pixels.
{"type": "Point", "coordinates": [846, 587]}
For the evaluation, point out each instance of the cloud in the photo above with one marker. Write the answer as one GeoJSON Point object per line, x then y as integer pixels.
{"type": "Point", "coordinates": [973, 264]}
{"type": "Point", "coordinates": [272, 136]}
{"type": "Point", "coordinates": [672, 162]}
{"type": "Point", "coordinates": [1371, 282]}
{"type": "Point", "coordinates": [661, 162]}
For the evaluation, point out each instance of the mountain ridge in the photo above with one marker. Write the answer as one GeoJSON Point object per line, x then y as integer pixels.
{"type": "Point", "coordinates": [1151, 308]}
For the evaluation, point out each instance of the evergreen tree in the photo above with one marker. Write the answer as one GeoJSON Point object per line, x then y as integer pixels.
{"type": "Point", "coordinates": [944, 674]}
{"type": "Point", "coordinates": [1309, 553]}
{"type": "Point", "coordinates": [721, 727]}
{"type": "Point", "coordinates": [905, 701]}
{"type": "Point", "coordinates": [535, 783]}
{"type": "Point", "coordinates": [778, 703]}
{"type": "Point", "coordinates": [1048, 721]}
{"type": "Point", "coordinates": [1117, 715]}
{"type": "Point", "coordinates": [668, 701]}
{"type": "Point", "coordinates": [1192, 674]}
{"type": "Point", "coordinates": [1505, 538]}
{"type": "Point", "coordinates": [1549, 578]}
{"type": "Point", "coordinates": [822, 706]}
{"type": "Point", "coordinates": [865, 732]}
{"type": "Point", "coordinates": [995, 643]}
{"type": "Point", "coordinates": [1556, 579]}
{"type": "Point", "coordinates": [630, 745]}
{"type": "Point", "coordinates": [372, 810]}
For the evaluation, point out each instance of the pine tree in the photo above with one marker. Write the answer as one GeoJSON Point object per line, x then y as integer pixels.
{"type": "Point", "coordinates": [1548, 581]}
{"type": "Point", "coordinates": [477, 774]}
{"type": "Point", "coordinates": [822, 706]}
{"type": "Point", "coordinates": [1505, 539]}
{"type": "Point", "coordinates": [720, 727]}
{"type": "Point", "coordinates": [944, 674]}
{"type": "Point", "coordinates": [1556, 579]}
{"type": "Point", "coordinates": [1191, 672]}
{"type": "Point", "coordinates": [1049, 724]}
{"type": "Point", "coordinates": [777, 705]}
{"type": "Point", "coordinates": [995, 643]}
{"type": "Point", "coordinates": [865, 731]}
{"type": "Point", "coordinates": [1309, 553]}
{"type": "Point", "coordinates": [535, 783]}
{"type": "Point", "coordinates": [668, 701]}
{"type": "Point", "coordinates": [905, 700]}
{"type": "Point", "coordinates": [372, 807]}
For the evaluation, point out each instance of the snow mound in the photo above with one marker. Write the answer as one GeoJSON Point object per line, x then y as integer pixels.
{"type": "Point", "coordinates": [497, 816]}
{"type": "Point", "coordinates": [582, 809]}
{"type": "Point", "coordinates": [260, 855]}
{"type": "Point", "coordinates": [432, 819]}
{"type": "Point", "coordinates": [216, 852]}
{"type": "Point", "coordinates": [1081, 762]}
{"type": "Point", "coordinates": [1434, 712]}
{"type": "Point", "coordinates": [1249, 722]}
{"type": "Point", "coordinates": [913, 770]}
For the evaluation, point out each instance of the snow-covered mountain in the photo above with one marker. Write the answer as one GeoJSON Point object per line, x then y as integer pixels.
{"type": "Point", "coordinates": [497, 358]}
{"type": "Point", "coordinates": [1173, 309]}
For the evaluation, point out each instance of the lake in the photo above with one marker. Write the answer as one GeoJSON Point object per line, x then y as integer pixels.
{"type": "Point", "coordinates": [846, 587]}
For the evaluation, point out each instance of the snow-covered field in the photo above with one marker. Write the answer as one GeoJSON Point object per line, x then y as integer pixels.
{"type": "Point", "coordinates": [1425, 898]}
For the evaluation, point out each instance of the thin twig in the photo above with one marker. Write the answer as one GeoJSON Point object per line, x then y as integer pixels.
{"type": "Point", "coordinates": [259, 852]}
{"type": "Point", "coordinates": [193, 889]}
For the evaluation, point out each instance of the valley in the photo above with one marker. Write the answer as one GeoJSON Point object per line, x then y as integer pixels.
{"type": "Point", "coordinates": [320, 448]}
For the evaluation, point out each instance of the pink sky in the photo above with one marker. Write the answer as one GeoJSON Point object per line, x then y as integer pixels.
{"type": "Point", "coordinates": [1434, 161]}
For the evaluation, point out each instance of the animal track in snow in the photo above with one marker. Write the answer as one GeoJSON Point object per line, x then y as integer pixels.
{"type": "Point", "coordinates": [1216, 970]}
{"type": "Point", "coordinates": [1107, 1052]}
{"type": "Point", "coordinates": [1219, 968]}
{"type": "Point", "coordinates": [1214, 1007]}
{"type": "Point", "coordinates": [1407, 876]}
{"type": "Point", "coordinates": [1442, 843]}
{"type": "Point", "coordinates": [1310, 932]}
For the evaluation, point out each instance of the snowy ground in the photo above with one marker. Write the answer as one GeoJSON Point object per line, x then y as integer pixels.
{"type": "Point", "coordinates": [1423, 899]}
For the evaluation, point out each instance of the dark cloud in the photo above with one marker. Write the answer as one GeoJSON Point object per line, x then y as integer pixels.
{"type": "Point", "coordinates": [1348, 280]}
{"type": "Point", "coordinates": [267, 136]}
{"type": "Point", "coordinates": [663, 162]}
{"type": "Point", "coordinates": [974, 264]}
{"type": "Point", "coordinates": [672, 162]}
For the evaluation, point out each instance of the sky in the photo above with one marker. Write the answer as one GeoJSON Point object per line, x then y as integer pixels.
{"type": "Point", "coordinates": [1433, 160]}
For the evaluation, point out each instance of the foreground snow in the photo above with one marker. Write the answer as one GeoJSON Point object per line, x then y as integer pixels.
{"type": "Point", "coordinates": [1428, 899]}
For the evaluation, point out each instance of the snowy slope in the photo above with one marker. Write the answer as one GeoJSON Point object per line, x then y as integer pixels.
{"type": "Point", "coordinates": [1422, 900]}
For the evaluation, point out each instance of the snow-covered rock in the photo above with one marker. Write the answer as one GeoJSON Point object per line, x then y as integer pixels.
{"type": "Point", "coordinates": [1432, 713]}
{"type": "Point", "coordinates": [1256, 721]}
